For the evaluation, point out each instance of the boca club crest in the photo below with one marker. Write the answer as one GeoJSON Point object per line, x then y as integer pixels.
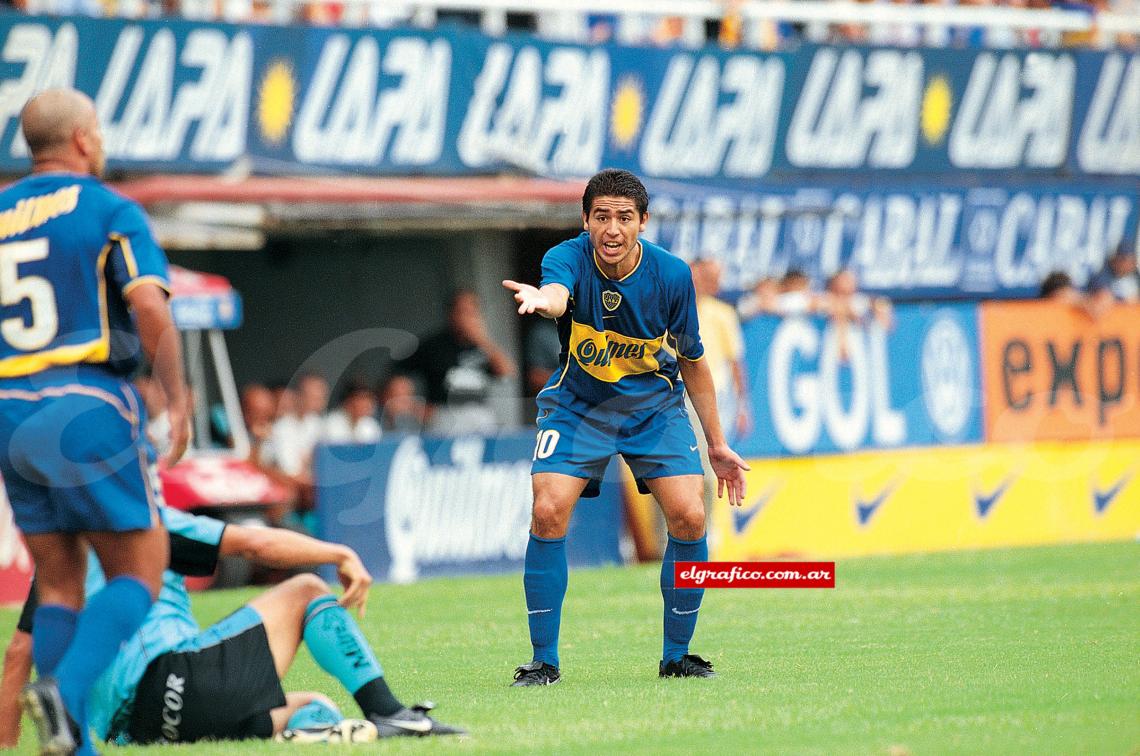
{"type": "Point", "coordinates": [611, 300]}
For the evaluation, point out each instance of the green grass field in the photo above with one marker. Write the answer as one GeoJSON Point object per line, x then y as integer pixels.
{"type": "Point", "coordinates": [1017, 651]}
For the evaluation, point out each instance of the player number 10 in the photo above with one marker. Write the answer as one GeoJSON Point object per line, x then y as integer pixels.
{"type": "Point", "coordinates": [547, 440]}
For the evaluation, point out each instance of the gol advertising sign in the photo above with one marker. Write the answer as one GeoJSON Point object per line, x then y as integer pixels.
{"type": "Point", "coordinates": [1054, 372]}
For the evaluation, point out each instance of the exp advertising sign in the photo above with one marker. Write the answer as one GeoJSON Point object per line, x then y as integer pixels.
{"type": "Point", "coordinates": [1053, 372]}
{"type": "Point", "coordinates": [417, 506]}
{"type": "Point", "coordinates": [815, 390]}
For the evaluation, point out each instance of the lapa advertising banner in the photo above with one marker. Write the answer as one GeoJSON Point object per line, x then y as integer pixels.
{"type": "Point", "coordinates": [909, 241]}
{"type": "Point", "coordinates": [184, 96]}
{"type": "Point", "coordinates": [815, 389]}
{"type": "Point", "coordinates": [922, 500]}
{"type": "Point", "coordinates": [417, 506]}
{"type": "Point", "coordinates": [1055, 372]}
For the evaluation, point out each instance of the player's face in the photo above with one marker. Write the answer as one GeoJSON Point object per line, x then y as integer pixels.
{"type": "Point", "coordinates": [614, 224]}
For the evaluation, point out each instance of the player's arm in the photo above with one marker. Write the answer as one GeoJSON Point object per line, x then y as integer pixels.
{"type": "Point", "coordinates": [17, 672]}
{"type": "Point", "coordinates": [163, 348]}
{"type": "Point", "coordinates": [285, 549]}
{"type": "Point", "coordinates": [726, 463]}
{"type": "Point", "coordinates": [550, 301]}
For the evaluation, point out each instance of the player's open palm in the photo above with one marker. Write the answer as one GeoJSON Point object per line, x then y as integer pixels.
{"type": "Point", "coordinates": [530, 299]}
{"type": "Point", "coordinates": [729, 469]}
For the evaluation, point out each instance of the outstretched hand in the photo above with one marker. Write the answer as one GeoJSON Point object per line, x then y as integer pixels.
{"type": "Point", "coordinates": [729, 469]}
{"type": "Point", "coordinates": [530, 299]}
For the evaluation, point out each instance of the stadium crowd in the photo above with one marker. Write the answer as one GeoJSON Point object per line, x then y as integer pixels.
{"type": "Point", "coordinates": [732, 30]}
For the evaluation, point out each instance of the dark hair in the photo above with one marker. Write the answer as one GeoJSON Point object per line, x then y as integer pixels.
{"type": "Point", "coordinates": [1054, 282]}
{"type": "Point", "coordinates": [794, 275]}
{"type": "Point", "coordinates": [613, 182]}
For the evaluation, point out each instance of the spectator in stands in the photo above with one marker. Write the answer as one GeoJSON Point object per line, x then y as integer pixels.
{"type": "Point", "coordinates": [845, 302]}
{"type": "Point", "coordinates": [259, 410]}
{"type": "Point", "coordinates": [848, 307]}
{"type": "Point", "coordinates": [1058, 287]}
{"type": "Point", "coordinates": [458, 366]}
{"type": "Point", "coordinates": [313, 398]}
{"type": "Point", "coordinates": [354, 421]}
{"type": "Point", "coordinates": [724, 349]}
{"type": "Point", "coordinates": [796, 296]}
{"type": "Point", "coordinates": [764, 298]}
{"type": "Point", "coordinates": [402, 410]}
{"type": "Point", "coordinates": [541, 350]}
{"type": "Point", "coordinates": [1120, 276]}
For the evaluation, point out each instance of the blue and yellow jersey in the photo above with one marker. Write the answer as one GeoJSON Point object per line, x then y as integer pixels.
{"type": "Point", "coordinates": [614, 332]}
{"type": "Point", "coordinates": [70, 251]}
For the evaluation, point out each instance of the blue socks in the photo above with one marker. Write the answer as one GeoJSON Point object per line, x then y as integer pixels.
{"type": "Point", "coordinates": [681, 604]}
{"type": "Point", "coordinates": [112, 616]}
{"type": "Point", "coordinates": [53, 627]}
{"type": "Point", "coordinates": [314, 714]}
{"type": "Point", "coordinates": [338, 646]}
{"type": "Point", "coordinates": [544, 581]}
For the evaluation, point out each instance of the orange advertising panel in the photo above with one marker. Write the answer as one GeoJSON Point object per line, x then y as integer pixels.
{"type": "Point", "coordinates": [1055, 372]}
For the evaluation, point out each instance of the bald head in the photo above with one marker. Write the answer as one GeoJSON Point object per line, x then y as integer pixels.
{"type": "Point", "coordinates": [62, 128]}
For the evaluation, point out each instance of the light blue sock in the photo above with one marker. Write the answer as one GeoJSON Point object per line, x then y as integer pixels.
{"type": "Point", "coordinates": [544, 582]}
{"type": "Point", "coordinates": [335, 640]}
{"type": "Point", "coordinates": [681, 604]}
{"type": "Point", "coordinates": [314, 714]}
{"type": "Point", "coordinates": [112, 616]}
{"type": "Point", "coordinates": [53, 627]}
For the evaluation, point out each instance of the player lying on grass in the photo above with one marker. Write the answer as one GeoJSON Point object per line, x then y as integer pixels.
{"type": "Point", "coordinates": [174, 683]}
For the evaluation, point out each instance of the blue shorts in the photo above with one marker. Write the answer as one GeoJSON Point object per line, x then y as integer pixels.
{"type": "Point", "coordinates": [74, 455]}
{"type": "Point", "coordinates": [656, 442]}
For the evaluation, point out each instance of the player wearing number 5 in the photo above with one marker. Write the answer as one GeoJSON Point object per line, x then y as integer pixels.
{"type": "Point", "coordinates": [627, 320]}
{"type": "Point", "coordinates": [83, 286]}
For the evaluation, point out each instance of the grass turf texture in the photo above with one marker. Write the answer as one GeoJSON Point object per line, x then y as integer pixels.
{"type": "Point", "coordinates": [1016, 651]}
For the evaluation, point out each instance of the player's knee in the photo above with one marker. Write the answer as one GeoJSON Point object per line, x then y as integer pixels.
{"type": "Point", "coordinates": [307, 586]}
{"type": "Point", "coordinates": [688, 525]}
{"type": "Point", "coordinates": [548, 520]}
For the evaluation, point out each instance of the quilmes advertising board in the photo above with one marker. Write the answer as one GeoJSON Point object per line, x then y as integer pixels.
{"type": "Point", "coordinates": [417, 506]}
{"type": "Point", "coordinates": [188, 96]}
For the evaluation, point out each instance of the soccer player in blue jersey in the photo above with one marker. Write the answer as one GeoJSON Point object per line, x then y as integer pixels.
{"type": "Point", "coordinates": [175, 683]}
{"type": "Point", "coordinates": [83, 285]}
{"type": "Point", "coordinates": [627, 321]}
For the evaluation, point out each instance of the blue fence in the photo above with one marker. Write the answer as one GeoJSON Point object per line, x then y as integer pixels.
{"type": "Point", "coordinates": [422, 507]}
{"type": "Point", "coordinates": [195, 97]}
{"type": "Point", "coordinates": [816, 391]}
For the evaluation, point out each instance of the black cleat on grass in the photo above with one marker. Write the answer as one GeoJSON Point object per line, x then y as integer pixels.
{"type": "Point", "coordinates": [536, 673]}
{"type": "Point", "coordinates": [413, 722]}
{"type": "Point", "coordinates": [58, 734]}
{"type": "Point", "coordinates": [689, 665]}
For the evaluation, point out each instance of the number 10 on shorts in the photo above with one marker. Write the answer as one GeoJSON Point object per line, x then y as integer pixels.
{"type": "Point", "coordinates": [544, 446]}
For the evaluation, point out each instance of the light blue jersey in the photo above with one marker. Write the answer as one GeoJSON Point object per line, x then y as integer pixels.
{"type": "Point", "coordinates": [194, 543]}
